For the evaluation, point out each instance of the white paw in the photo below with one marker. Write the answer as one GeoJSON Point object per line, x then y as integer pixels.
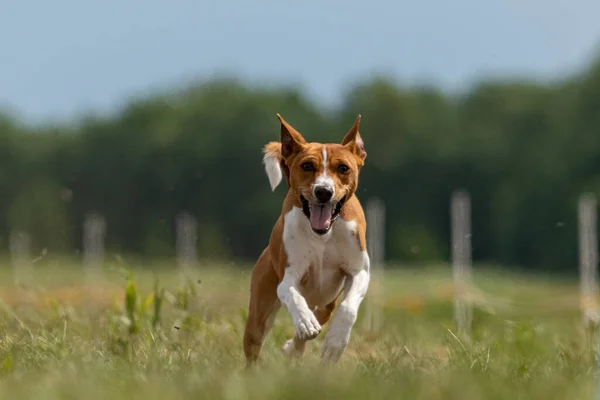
{"type": "Point", "coordinates": [334, 345]}
{"type": "Point", "coordinates": [307, 326]}
{"type": "Point", "coordinates": [293, 348]}
{"type": "Point", "coordinates": [288, 347]}
{"type": "Point", "coordinates": [338, 336]}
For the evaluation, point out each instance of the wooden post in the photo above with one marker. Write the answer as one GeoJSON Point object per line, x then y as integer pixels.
{"type": "Point", "coordinates": [186, 244]}
{"type": "Point", "coordinates": [588, 256]}
{"type": "Point", "coordinates": [94, 230]}
{"type": "Point", "coordinates": [588, 269]}
{"type": "Point", "coordinates": [460, 210]}
{"type": "Point", "coordinates": [20, 252]}
{"type": "Point", "coordinates": [375, 214]}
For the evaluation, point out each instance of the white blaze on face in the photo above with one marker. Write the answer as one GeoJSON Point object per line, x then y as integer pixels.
{"type": "Point", "coordinates": [324, 161]}
{"type": "Point", "coordinates": [324, 180]}
{"type": "Point", "coordinates": [320, 214]}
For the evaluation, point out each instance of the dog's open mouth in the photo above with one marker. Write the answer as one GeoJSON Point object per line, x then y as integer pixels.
{"type": "Point", "coordinates": [321, 215]}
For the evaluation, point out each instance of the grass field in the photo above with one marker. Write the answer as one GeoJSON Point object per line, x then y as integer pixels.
{"type": "Point", "coordinates": [63, 339]}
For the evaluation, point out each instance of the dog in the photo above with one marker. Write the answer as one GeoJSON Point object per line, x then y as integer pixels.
{"type": "Point", "coordinates": [317, 247]}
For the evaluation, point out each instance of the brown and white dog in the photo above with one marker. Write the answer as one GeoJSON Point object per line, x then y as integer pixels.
{"type": "Point", "coordinates": [317, 247]}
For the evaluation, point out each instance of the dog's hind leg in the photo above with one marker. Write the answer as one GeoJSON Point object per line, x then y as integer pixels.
{"type": "Point", "coordinates": [296, 346]}
{"type": "Point", "coordinates": [263, 307]}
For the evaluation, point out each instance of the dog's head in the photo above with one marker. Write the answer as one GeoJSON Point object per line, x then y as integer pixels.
{"type": "Point", "coordinates": [322, 176]}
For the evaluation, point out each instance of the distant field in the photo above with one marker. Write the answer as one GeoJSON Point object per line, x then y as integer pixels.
{"type": "Point", "coordinates": [60, 339]}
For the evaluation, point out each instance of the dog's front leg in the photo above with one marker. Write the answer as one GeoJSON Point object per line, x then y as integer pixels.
{"type": "Point", "coordinates": [355, 289]}
{"type": "Point", "coordinates": [305, 323]}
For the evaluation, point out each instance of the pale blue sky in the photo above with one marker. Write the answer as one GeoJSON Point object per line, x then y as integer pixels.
{"type": "Point", "coordinates": [61, 57]}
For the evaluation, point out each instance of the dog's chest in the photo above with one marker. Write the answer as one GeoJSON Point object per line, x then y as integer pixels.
{"type": "Point", "coordinates": [320, 261]}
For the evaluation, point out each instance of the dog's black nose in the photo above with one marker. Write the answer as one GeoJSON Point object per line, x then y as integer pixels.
{"type": "Point", "coordinates": [323, 194]}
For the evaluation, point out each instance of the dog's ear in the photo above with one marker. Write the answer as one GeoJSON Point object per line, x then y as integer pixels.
{"type": "Point", "coordinates": [353, 142]}
{"type": "Point", "coordinates": [291, 140]}
{"type": "Point", "coordinates": [274, 164]}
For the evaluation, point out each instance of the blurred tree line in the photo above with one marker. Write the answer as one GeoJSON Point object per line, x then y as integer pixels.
{"type": "Point", "coordinates": [524, 150]}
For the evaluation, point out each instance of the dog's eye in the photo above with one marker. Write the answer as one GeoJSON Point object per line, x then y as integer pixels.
{"type": "Point", "coordinates": [307, 166]}
{"type": "Point", "coordinates": [342, 169]}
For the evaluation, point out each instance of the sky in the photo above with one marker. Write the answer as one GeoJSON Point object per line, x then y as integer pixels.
{"type": "Point", "coordinates": [61, 58]}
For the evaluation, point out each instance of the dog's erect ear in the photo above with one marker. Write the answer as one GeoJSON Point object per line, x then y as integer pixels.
{"type": "Point", "coordinates": [291, 140]}
{"type": "Point", "coordinates": [354, 142]}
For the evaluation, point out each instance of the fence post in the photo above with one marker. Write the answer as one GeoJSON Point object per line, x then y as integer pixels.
{"type": "Point", "coordinates": [186, 244]}
{"type": "Point", "coordinates": [94, 230]}
{"type": "Point", "coordinates": [375, 214]}
{"type": "Point", "coordinates": [20, 253]}
{"type": "Point", "coordinates": [460, 210]}
{"type": "Point", "coordinates": [588, 263]}
{"type": "Point", "coordinates": [588, 256]}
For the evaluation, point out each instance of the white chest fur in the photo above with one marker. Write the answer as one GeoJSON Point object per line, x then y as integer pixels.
{"type": "Point", "coordinates": [320, 262]}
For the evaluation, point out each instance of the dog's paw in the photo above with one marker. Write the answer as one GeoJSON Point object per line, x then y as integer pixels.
{"type": "Point", "coordinates": [293, 348]}
{"type": "Point", "coordinates": [288, 347]}
{"type": "Point", "coordinates": [307, 326]}
{"type": "Point", "coordinates": [334, 345]}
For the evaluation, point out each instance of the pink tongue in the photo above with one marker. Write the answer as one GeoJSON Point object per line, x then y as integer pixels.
{"type": "Point", "coordinates": [320, 216]}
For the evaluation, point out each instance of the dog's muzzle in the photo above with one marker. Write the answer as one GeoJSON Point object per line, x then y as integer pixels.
{"type": "Point", "coordinates": [321, 214]}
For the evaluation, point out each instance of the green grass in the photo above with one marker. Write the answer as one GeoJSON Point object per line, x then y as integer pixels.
{"type": "Point", "coordinates": [62, 340]}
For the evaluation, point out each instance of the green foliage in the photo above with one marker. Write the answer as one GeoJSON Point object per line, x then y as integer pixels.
{"type": "Point", "coordinates": [524, 151]}
{"type": "Point", "coordinates": [157, 299]}
{"type": "Point", "coordinates": [415, 356]}
{"type": "Point", "coordinates": [130, 308]}
{"type": "Point", "coordinates": [136, 316]}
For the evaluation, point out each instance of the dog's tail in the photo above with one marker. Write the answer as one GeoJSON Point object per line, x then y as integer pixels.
{"type": "Point", "coordinates": [272, 160]}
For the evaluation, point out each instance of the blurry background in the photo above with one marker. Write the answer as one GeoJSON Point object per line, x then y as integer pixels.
{"type": "Point", "coordinates": [140, 110]}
